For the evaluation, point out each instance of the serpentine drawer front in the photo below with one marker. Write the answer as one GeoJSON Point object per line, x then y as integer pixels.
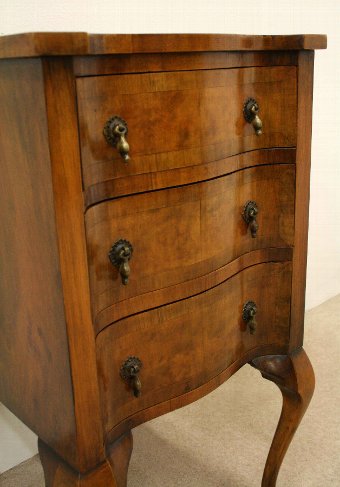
{"type": "Point", "coordinates": [181, 119]}
{"type": "Point", "coordinates": [154, 216]}
{"type": "Point", "coordinates": [185, 233]}
{"type": "Point", "coordinates": [203, 335]}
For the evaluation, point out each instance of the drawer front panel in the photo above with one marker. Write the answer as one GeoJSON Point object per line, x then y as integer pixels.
{"type": "Point", "coordinates": [183, 233]}
{"type": "Point", "coordinates": [181, 119]}
{"type": "Point", "coordinates": [185, 344]}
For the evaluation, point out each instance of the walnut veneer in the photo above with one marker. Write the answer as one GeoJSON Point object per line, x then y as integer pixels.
{"type": "Point", "coordinates": [146, 258]}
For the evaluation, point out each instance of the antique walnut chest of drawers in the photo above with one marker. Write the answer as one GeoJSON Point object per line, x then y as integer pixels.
{"type": "Point", "coordinates": [154, 213]}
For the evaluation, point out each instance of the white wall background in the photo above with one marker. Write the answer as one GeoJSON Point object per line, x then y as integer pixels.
{"type": "Point", "coordinates": [219, 16]}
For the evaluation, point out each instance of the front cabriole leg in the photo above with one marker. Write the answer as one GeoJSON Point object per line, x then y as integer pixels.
{"type": "Point", "coordinates": [294, 375]}
{"type": "Point", "coordinates": [111, 473]}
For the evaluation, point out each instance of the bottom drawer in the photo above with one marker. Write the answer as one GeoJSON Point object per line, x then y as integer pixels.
{"type": "Point", "coordinates": [187, 343]}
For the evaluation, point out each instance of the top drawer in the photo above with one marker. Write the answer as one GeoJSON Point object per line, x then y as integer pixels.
{"type": "Point", "coordinates": [181, 119]}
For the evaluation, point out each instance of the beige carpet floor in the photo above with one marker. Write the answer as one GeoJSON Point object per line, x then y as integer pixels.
{"type": "Point", "coordinates": [223, 439]}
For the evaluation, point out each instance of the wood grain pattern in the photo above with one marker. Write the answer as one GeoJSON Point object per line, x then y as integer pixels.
{"type": "Point", "coordinates": [191, 396]}
{"type": "Point", "coordinates": [35, 380]}
{"type": "Point", "coordinates": [187, 232]}
{"type": "Point", "coordinates": [294, 375]}
{"type": "Point", "coordinates": [209, 42]}
{"type": "Point", "coordinates": [181, 119]}
{"type": "Point", "coordinates": [188, 288]}
{"type": "Point", "coordinates": [67, 324]}
{"type": "Point", "coordinates": [57, 473]}
{"type": "Point", "coordinates": [141, 183]}
{"type": "Point", "coordinates": [303, 159]}
{"type": "Point", "coordinates": [185, 61]}
{"type": "Point", "coordinates": [119, 454]}
{"type": "Point", "coordinates": [68, 200]}
{"type": "Point", "coordinates": [193, 331]}
{"type": "Point", "coordinates": [73, 43]}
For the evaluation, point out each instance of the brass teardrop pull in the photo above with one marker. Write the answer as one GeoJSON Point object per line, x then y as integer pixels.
{"type": "Point", "coordinates": [250, 213]}
{"type": "Point", "coordinates": [251, 110]}
{"type": "Point", "coordinates": [248, 315]}
{"type": "Point", "coordinates": [120, 255]}
{"type": "Point", "coordinates": [129, 373]}
{"type": "Point", "coordinates": [115, 132]}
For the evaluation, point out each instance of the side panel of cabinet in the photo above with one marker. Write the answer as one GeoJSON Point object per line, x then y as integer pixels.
{"type": "Point", "coordinates": [303, 158]}
{"type": "Point", "coordinates": [35, 377]}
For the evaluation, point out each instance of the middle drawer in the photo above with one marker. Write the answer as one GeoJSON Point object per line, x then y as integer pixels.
{"type": "Point", "coordinates": [183, 233]}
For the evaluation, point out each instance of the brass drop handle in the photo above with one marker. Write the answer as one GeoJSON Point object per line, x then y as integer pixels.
{"type": "Point", "coordinates": [250, 213]}
{"type": "Point", "coordinates": [251, 114]}
{"type": "Point", "coordinates": [115, 132]}
{"type": "Point", "coordinates": [129, 373]}
{"type": "Point", "coordinates": [120, 255]}
{"type": "Point", "coordinates": [248, 315]}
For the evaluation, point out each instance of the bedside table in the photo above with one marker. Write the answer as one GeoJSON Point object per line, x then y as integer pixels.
{"type": "Point", "coordinates": [154, 215]}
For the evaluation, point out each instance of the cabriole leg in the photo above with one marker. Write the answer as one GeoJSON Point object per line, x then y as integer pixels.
{"type": "Point", "coordinates": [294, 375]}
{"type": "Point", "coordinates": [119, 454]}
{"type": "Point", "coordinates": [111, 473]}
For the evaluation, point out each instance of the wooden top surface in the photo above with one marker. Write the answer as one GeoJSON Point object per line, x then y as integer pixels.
{"type": "Point", "coordinates": [80, 43]}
